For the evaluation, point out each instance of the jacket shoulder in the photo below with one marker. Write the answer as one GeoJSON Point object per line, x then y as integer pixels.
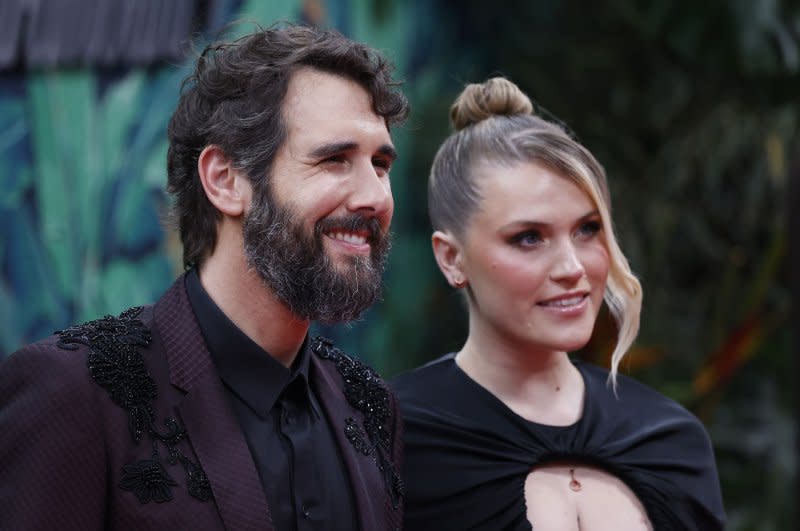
{"type": "Point", "coordinates": [52, 415]}
{"type": "Point", "coordinates": [363, 388]}
{"type": "Point", "coordinates": [379, 432]}
{"type": "Point", "coordinates": [61, 362]}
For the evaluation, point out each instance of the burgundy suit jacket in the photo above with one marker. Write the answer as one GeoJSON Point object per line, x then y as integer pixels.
{"type": "Point", "coordinates": [83, 416]}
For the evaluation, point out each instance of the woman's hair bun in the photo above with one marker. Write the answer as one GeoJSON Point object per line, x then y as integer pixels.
{"type": "Point", "coordinates": [494, 97]}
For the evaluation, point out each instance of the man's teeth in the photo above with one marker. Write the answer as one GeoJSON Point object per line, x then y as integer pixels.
{"type": "Point", "coordinates": [349, 238]}
{"type": "Point", "coordinates": [572, 301]}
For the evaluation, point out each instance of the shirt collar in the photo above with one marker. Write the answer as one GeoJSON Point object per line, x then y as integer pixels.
{"type": "Point", "coordinates": [249, 371]}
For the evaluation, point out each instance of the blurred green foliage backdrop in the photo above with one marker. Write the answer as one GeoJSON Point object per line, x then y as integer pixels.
{"type": "Point", "coordinates": [691, 107]}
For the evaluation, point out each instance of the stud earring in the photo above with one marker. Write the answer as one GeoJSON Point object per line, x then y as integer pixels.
{"type": "Point", "coordinates": [459, 282]}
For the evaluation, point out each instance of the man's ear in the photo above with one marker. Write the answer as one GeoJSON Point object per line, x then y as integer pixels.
{"type": "Point", "coordinates": [447, 251]}
{"type": "Point", "coordinates": [228, 189]}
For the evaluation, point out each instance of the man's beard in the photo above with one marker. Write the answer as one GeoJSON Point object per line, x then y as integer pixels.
{"type": "Point", "coordinates": [296, 268]}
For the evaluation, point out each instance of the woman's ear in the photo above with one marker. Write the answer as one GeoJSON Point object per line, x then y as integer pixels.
{"type": "Point", "coordinates": [447, 251]}
{"type": "Point", "coordinates": [226, 187]}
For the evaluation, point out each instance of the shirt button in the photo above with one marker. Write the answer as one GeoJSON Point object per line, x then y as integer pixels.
{"type": "Point", "coordinates": [306, 512]}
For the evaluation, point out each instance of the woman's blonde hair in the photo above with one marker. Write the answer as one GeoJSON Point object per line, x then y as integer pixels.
{"type": "Point", "coordinates": [495, 124]}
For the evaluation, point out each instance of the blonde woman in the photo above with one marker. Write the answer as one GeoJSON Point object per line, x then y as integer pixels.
{"type": "Point", "coordinates": [509, 432]}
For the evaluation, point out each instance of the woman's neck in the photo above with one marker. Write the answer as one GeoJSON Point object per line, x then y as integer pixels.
{"type": "Point", "coordinates": [539, 385]}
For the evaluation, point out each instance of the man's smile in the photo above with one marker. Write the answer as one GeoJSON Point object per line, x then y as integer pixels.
{"type": "Point", "coordinates": [349, 237]}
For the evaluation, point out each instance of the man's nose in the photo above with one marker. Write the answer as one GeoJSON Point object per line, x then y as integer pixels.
{"type": "Point", "coordinates": [370, 191]}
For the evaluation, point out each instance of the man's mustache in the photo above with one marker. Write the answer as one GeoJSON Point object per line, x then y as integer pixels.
{"type": "Point", "coordinates": [354, 223]}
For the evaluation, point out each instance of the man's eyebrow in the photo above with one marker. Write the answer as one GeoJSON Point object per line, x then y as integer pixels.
{"type": "Point", "coordinates": [335, 148]}
{"type": "Point", "coordinates": [388, 151]}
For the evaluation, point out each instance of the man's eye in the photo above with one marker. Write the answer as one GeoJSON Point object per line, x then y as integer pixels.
{"type": "Point", "coordinates": [381, 163]}
{"type": "Point", "coordinates": [335, 159]}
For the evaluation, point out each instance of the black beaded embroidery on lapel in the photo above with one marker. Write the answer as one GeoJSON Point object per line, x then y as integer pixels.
{"type": "Point", "coordinates": [365, 391]}
{"type": "Point", "coordinates": [117, 365]}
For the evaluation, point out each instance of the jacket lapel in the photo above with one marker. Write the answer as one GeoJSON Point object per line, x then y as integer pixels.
{"type": "Point", "coordinates": [212, 428]}
{"type": "Point", "coordinates": [369, 491]}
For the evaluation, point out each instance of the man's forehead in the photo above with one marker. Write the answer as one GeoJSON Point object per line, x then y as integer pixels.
{"type": "Point", "coordinates": [320, 105]}
{"type": "Point", "coordinates": [310, 89]}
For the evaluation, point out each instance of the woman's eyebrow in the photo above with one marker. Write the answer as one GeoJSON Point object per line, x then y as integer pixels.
{"type": "Point", "coordinates": [532, 223]}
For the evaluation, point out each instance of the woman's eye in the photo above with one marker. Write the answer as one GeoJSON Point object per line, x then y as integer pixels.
{"type": "Point", "coordinates": [589, 229]}
{"type": "Point", "coordinates": [527, 239]}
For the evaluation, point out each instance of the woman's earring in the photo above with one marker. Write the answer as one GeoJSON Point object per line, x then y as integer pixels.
{"type": "Point", "coordinates": [459, 282]}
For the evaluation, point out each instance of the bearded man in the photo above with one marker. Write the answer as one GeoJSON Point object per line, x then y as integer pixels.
{"type": "Point", "coordinates": [212, 408]}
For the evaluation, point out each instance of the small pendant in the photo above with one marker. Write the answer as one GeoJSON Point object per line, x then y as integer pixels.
{"type": "Point", "coordinates": [575, 485]}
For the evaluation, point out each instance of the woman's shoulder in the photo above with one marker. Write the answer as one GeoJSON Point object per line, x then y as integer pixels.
{"type": "Point", "coordinates": [638, 407]}
{"type": "Point", "coordinates": [628, 392]}
{"type": "Point", "coordinates": [426, 382]}
{"type": "Point", "coordinates": [431, 369]}
{"type": "Point", "coordinates": [439, 389]}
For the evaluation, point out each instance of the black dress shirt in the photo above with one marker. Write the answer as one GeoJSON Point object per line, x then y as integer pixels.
{"type": "Point", "coordinates": [302, 472]}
